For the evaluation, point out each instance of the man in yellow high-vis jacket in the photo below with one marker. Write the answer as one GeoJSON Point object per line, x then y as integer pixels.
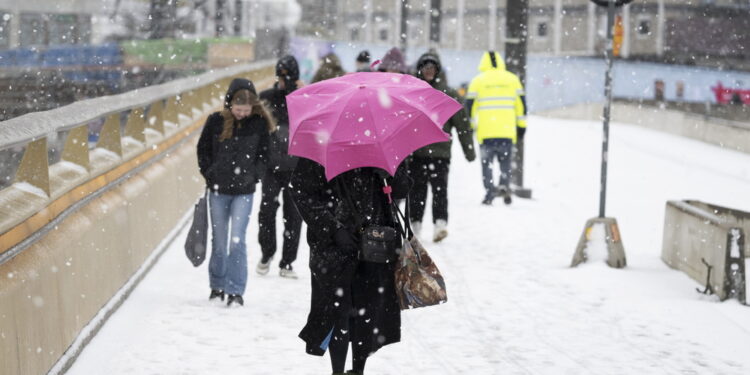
{"type": "Point", "coordinates": [497, 106]}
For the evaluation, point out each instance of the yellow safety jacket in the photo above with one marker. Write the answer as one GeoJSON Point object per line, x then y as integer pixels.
{"type": "Point", "coordinates": [498, 107]}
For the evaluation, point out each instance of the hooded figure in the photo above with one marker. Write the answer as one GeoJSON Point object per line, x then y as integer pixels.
{"type": "Point", "coordinates": [232, 152]}
{"type": "Point", "coordinates": [363, 61]}
{"type": "Point", "coordinates": [351, 300]}
{"type": "Point", "coordinates": [276, 176]}
{"type": "Point", "coordinates": [330, 68]}
{"type": "Point", "coordinates": [287, 73]}
{"type": "Point", "coordinates": [230, 141]}
{"type": "Point", "coordinates": [238, 84]}
{"type": "Point", "coordinates": [393, 62]}
{"type": "Point", "coordinates": [430, 165]}
{"type": "Point", "coordinates": [497, 106]}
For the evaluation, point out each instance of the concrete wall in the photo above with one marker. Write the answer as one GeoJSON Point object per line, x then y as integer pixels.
{"type": "Point", "coordinates": [728, 134]}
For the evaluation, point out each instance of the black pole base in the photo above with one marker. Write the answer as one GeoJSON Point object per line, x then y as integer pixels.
{"type": "Point", "coordinates": [521, 192]}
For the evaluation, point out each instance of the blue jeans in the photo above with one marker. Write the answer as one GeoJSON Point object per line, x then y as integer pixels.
{"type": "Point", "coordinates": [230, 214]}
{"type": "Point", "coordinates": [500, 148]}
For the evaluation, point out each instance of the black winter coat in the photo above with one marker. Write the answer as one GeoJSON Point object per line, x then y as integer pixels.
{"type": "Point", "coordinates": [459, 121]}
{"type": "Point", "coordinates": [337, 274]}
{"type": "Point", "coordinates": [279, 159]}
{"type": "Point", "coordinates": [235, 165]}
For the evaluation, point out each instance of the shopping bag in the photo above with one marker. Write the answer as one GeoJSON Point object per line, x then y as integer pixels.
{"type": "Point", "coordinates": [418, 280]}
{"type": "Point", "coordinates": [197, 237]}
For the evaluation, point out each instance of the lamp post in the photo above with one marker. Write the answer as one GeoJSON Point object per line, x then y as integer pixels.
{"type": "Point", "coordinates": [615, 249]}
{"type": "Point", "coordinates": [516, 27]}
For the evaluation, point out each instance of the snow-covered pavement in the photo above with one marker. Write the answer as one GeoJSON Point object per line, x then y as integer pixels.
{"type": "Point", "coordinates": [515, 307]}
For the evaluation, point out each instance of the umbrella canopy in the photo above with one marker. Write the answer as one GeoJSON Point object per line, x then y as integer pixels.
{"type": "Point", "coordinates": [366, 120]}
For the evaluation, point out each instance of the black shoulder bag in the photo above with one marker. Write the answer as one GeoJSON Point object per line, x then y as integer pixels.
{"type": "Point", "coordinates": [378, 243]}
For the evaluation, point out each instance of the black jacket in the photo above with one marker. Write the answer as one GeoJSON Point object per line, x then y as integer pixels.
{"type": "Point", "coordinates": [279, 159]}
{"type": "Point", "coordinates": [369, 285]}
{"type": "Point", "coordinates": [459, 121]}
{"type": "Point", "coordinates": [235, 165]}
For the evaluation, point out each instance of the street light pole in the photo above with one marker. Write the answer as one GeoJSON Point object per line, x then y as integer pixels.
{"type": "Point", "coordinates": [615, 248]}
{"type": "Point", "coordinates": [516, 31]}
{"type": "Point", "coordinates": [607, 106]}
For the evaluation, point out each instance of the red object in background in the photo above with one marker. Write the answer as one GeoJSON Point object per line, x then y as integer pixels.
{"type": "Point", "coordinates": [726, 95]}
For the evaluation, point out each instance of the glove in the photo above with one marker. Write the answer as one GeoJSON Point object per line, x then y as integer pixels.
{"type": "Point", "coordinates": [521, 132]}
{"type": "Point", "coordinates": [344, 239]}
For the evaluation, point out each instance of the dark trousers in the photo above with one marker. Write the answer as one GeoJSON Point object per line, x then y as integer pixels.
{"type": "Point", "coordinates": [273, 184]}
{"type": "Point", "coordinates": [432, 171]}
{"type": "Point", "coordinates": [500, 149]}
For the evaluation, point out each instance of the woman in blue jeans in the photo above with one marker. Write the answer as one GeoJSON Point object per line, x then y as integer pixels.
{"type": "Point", "coordinates": [231, 156]}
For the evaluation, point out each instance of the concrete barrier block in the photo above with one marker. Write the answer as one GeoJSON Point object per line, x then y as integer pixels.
{"type": "Point", "coordinates": [707, 242]}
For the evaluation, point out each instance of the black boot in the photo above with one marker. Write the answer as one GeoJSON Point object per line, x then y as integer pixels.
{"type": "Point", "coordinates": [235, 298]}
{"type": "Point", "coordinates": [505, 192]}
{"type": "Point", "coordinates": [216, 294]}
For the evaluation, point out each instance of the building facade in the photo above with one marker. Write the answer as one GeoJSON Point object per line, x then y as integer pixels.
{"type": "Point", "coordinates": [684, 31]}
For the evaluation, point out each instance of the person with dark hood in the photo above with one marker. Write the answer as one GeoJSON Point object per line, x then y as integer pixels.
{"type": "Point", "coordinates": [352, 301]}
{"type": "Point", "coordinates": [330, 67]}
{"type": "Point", "coordinates": [277, 174]}
{"type": "Point", "coordinates": [393, 62]}
{"type": "Point", "coordinates": [430, 164]}
{"type": "Point", "coordinates": [232, 151]}
{"type": "Point", "coordinates": [363, 61]}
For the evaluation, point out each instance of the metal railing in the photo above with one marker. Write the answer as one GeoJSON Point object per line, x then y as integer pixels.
{"type": "Point", "coordinates": [139, 124]}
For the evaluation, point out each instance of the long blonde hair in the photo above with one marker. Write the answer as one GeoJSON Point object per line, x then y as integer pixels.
{"type": "Point", "coordinates": [245, 97]}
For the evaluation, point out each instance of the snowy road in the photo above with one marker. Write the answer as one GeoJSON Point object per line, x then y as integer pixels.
{"type": "Point", "coordinates": [514, 305]}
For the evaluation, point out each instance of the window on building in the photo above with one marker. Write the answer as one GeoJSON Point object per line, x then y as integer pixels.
{"type": "Point", "coordinates": [542, 29]}
{"type": "Point", "coordinates": [63, 29]}
{"type": "Point", "coordinates": [643, 27]}
{"type": "Point", "coordinates": [383, 35]}
{"type": "Point", "coordinates": [354, 34]}
{"type": "Point", "coordinates": [33, 29]}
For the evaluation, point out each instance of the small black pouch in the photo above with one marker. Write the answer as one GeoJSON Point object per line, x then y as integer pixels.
{"type": "Point", "coordinates": [379, 244]}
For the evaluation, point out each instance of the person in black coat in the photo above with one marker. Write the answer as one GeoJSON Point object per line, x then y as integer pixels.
{"type": "Point", "coordinates": [232, 150]}
{"type": "Point", "coordinates": [429, 166]}
{"type": "Point", "coordinates": [351, 300]}
{"type": "Point", "coordinates": [277, 174]}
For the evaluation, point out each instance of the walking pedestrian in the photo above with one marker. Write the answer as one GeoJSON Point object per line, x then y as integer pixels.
{"type": "Point", "coordinates": [497, 105]}
{"type": "Point", "coordinates": [393, 62]}
{"type": "Point", "coordinates": [346, 142]}
{"type": "Point", "coordinates": [231, 152]}
{"type": "Point", "coordinates": [430, 165]}
{"type": "Point", "coordinates": [352, 301]}
{"type": "Point", "coordinates": [277, 174]}
{"type": "Point", "coordinates": [330, 68]}
{"type": "Point", "coordinates": [363, 61]}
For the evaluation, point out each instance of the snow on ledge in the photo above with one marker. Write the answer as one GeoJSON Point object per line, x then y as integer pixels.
{"type": "Point", "coordinates": [31, 189]}
{"type": "Point", "coordinates": [66, 165]}
{"type": "Point", "coordinates": [37, 125]}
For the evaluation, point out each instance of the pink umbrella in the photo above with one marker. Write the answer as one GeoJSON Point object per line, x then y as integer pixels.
{"type": "Point", "coordinates": [366, 119]}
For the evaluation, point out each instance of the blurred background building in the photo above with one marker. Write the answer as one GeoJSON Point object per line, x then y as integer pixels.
{"type": "Point", "coordinates": [702, 32]}
{"type": "Point", "coordinates": [55, 52]}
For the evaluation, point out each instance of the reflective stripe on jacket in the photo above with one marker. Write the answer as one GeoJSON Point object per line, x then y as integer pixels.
{"type": "Point", "coordinates": [497, 95]}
